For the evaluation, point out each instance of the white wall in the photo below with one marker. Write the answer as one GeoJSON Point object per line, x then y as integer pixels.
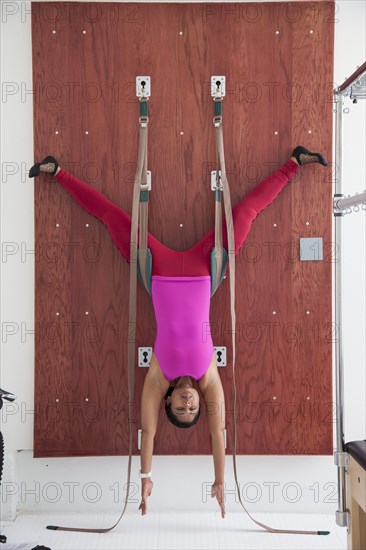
{"type": "Point", "coordinates": [350, 52]}
{"type": "Point", "coordinates": [268, 483]}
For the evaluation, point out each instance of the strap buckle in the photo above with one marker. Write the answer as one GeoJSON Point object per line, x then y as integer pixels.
{"type": "Point", "coordinates": [146, 186]}
{"type": "Point", "coordinates": [217, 120]}
{"type": "Point", "coordinates": [216, 182]}
{"type": "Point", "coordinates": [143, 121]}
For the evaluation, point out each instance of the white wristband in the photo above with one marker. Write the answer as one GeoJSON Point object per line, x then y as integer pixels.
{"type": "Point", "coordinates": [144, 475]}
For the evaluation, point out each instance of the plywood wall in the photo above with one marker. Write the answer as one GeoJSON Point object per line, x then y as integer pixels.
{"type": "Point", "coordinates": [278, 61]}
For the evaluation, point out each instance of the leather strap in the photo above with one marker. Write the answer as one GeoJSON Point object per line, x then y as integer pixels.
{"type": "Point", "coordinates": [141, 174]}
{"type": "Point", "coordinates": [144, 204]}
{"type": "Point", "coordinates": [219, 248]}
{"type": "Point", "coordinates": [231, 254]}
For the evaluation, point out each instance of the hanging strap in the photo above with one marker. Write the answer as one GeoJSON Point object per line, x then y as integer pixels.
{"type": "Point", "coordinates": [144, 257]}
{"type": "Point", "coordinates": [217, 253]}
{"type": "Point", "coordinates": [219, 256]}
{"type": "Point", "coordinates": [231, 253]}
{"type": "Point", "coordinates": [140, 179]}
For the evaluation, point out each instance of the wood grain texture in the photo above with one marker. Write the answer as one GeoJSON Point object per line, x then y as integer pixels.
{"type": "Point", "coordinates": [279, 79]}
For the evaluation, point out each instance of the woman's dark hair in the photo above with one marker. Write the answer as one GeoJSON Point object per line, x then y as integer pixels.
{"type": "Point", "coordinates": [173, 419]}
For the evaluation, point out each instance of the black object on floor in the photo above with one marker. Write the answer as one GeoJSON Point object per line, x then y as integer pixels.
{"type": "Point", "coordinates": [10, 397]}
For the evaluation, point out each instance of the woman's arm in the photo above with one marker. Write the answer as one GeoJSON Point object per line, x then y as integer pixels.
{"type": "Point", "coordinates": [218, 452]}
{"type": "Point", "coordinates": [215, 402]}
{"type": "Point", "coordinates": [150, 406]}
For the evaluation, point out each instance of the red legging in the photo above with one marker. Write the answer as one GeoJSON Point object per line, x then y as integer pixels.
{"type": "Point", "coordinates": [196, 260]}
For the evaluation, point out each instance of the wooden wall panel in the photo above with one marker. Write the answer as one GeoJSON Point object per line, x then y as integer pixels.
{"type": "Point", "coordinates": [279, 78]}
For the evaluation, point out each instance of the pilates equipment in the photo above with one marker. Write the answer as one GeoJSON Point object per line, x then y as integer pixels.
{"type": "Point", "coordinates": [218, 256]}
{"type": "Point", "coordinates": [8, 397]}
{"type": "Point", "coordinates": [141, 267]}
{"type": "Point", "coordinates": [355, 88]}
{"type": "Point", "coordinates": [356, 494]}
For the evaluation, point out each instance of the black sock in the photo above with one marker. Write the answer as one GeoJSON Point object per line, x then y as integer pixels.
{"type": "Point", "coordinates": [48, 165]}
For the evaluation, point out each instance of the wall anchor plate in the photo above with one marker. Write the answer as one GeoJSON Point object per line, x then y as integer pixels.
{"type": "Point", "coordinates": [220, 356]}
{"type": "Point", "coordinates": [218, 86]}
{"type": "Point", "coordinates": [143, 86]}
{"type": "Point", "coordinates": [145, 355]}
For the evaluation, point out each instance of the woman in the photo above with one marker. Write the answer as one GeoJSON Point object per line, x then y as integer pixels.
{"type": "Point", "coordinates": [181, 297]}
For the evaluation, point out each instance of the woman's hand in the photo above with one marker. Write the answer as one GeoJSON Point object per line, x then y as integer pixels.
{"type": "Point", "coordinates": [146, 488]}
{"type": "Point", "coordinates": [218, 491]}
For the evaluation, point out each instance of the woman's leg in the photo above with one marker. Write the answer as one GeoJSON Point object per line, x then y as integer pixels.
{"type": "Point", "coordinates": [249, 207]}
{"type": "Point", "coordinates": [116, 220]}
{"type": "Point", "coordinates": [165, 261]}
{"type": "Point", "coordinates": [263, 194]}
{"type": "Point", "coordinates": [91, 200]}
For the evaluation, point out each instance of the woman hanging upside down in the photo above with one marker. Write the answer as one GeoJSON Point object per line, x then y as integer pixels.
{"type": "Point", "coordinates": [181, 290]}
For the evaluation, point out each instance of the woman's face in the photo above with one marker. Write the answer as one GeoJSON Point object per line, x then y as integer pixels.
{"type": "Point", "coordinates": [184, 401]}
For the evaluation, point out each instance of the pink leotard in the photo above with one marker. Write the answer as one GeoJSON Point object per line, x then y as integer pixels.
{"type": "Point", "coordinates": [183, 345]}
{"type": "Point", "coordinates": [180, 279]}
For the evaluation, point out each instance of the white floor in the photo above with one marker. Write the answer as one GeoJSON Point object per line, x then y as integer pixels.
{"type": "Point", "coordinates": [174, 531]}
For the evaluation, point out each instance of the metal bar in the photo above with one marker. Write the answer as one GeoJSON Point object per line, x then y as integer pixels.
{"type": "Point", "coordinates": [354, 76]}
{"type": "Point", "coordinates": [341, 515]}
{"type": "Point", "coordinates": [355, 200]}
{"type": "Point", "coordinates": [338, 281]}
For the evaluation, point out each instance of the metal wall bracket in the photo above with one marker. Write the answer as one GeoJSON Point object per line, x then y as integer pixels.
{"type": "Point", "coordinates": [218, 86]}
{"type": "Point", "coordinates": [336, 210]}
{"type": "Point", "coordinates": [213, 180]}
{"type": "Point", "coordinates": [225, 438]}
{"type": "Point", "coordinates": [341, 459]}
{"type": "Point", "coordinates": [143, 86]}
{"type": "Point", "coordinates": [139, 436]}
{"type": "Point", "coordinates": [145, 355]}
{"type": "Point", "coordinates": [342, 518]}
{"type": "Point", "coordinates": [220, 356]}
{"type": "Point", "coordinates": [345, 205]}
{"type": "Point", "coordinates": [146, 187]}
